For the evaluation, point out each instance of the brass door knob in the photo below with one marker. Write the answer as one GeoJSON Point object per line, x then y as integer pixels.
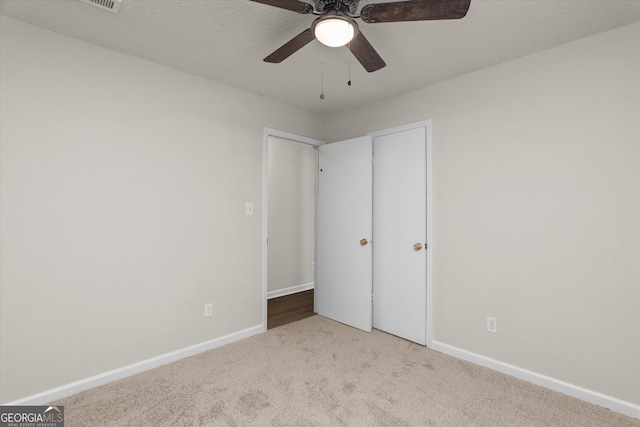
{"type": "Point", "coordinates": [363, 242]}
{"type": "Point", "coordinates": [417, 247]}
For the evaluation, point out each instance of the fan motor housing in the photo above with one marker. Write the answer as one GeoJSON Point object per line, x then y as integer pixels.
{"type": "Point", "coordinates": [349, 7]}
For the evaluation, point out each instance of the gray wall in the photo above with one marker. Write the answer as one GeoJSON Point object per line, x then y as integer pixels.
{"type": "Point", "coordinates": [123, 190]}
{"type": "Point", "coordinates": [536, 208]}
{"type": "Point", "coordinates": [291, 209]}
{"type": "Point", "coordinates": [123, 186]}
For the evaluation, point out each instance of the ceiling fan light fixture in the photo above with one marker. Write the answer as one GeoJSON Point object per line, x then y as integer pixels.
{"type": "Point", "coordinates": [334, 30]}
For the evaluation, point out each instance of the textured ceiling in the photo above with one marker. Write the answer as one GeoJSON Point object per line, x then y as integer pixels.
{"type": "Point", "coordinates": [226, 40]}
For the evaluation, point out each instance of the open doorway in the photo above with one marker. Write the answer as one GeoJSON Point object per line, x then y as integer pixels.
{"type": "Point", "coordinates": [290, 196]}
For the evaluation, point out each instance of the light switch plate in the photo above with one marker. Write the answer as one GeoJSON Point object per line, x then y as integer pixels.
{"type": "Point", "coordinates": [249, 208]}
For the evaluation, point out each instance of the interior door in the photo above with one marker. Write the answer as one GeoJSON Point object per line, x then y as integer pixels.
{"type": "Point", "coordinates": [400, 234]}
{"type": "Point", "coordinates": [343, 279]}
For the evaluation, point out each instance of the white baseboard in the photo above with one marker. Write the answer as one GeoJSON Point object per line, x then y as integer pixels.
{"type": "Point", "coordinates": [136, 368]}
{"type": "Point", "coordinates": [289, 291]}
{"type": "Point", "coordinates": [613, 403]}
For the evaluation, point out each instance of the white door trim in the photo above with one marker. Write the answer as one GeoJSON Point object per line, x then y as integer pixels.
{"type": "Point", "coordinates": [426, 124]}
{"type": "Point", "coordinates": [268, 132]}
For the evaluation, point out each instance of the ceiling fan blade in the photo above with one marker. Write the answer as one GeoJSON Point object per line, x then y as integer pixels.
{"type": "Point", "coordinates": [294, 5]}
{"type": "Point", "coordinates": [414, 10]}
{"type": "Point", "coordinates": [365, 53]}
{"type": "Point", "coordinates": [291, 47]}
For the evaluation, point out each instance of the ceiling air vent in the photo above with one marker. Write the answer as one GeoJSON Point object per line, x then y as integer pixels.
{"type": "Point", "coordinates": [110, 5]}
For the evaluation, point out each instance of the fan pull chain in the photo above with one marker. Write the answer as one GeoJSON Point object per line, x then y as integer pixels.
{"type": "Point", "coordinates": [322, 74]}
{"type": "Point", "coordinates": [349, 61]}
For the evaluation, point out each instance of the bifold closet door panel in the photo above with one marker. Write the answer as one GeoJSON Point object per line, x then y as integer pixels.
{"type": "Point", "coordinates": [343, 232]}
{"type": "Point", "coordinates": [400, 234]}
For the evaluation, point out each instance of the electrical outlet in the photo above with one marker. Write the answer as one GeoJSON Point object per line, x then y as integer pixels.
{"type": "Point", "coordinates": [492, 324]}
{"type": "Point", "coordinates": [313, 265]}
{"type": "Point", "coordinates": [208, 310]}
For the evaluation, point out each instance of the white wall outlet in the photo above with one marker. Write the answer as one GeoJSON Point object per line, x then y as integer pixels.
{"type": "Point", "coordinates": [492, 324]}
{"type": "Point", "coordinates": [248, 208]}
{"type": "Point", "coordinates": [208, 310]}
{"type": "Point", "coordinates": [313, 265]}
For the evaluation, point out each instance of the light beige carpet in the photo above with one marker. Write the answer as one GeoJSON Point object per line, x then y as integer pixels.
{"type": "Point", "coordinates": [317, 372]}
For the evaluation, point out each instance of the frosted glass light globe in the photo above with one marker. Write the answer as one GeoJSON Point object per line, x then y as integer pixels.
{"type": "Point", "coordinates": [334, 32]}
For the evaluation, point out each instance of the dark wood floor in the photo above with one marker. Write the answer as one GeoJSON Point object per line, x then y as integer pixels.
{"type": "Point", "coordinates": [289, 308]}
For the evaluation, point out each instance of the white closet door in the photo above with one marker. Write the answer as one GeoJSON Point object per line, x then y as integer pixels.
{"type": "Point", "coordinates": [400, 234]}
{"type": "Point", "coordinates": [343, 230]}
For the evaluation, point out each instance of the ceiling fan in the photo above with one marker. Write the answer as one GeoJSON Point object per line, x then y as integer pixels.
{"type": "Point", "coordinates": [336, 25]}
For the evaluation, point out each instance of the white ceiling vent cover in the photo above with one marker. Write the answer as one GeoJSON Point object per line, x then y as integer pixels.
{"type": "Point", "coordinates": [110, 5]}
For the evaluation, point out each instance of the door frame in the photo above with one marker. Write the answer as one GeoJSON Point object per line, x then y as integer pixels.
{"type": "Point", "coordinates": [268, 132]}
{"type": "Point", "coordinates": [426, 124]}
